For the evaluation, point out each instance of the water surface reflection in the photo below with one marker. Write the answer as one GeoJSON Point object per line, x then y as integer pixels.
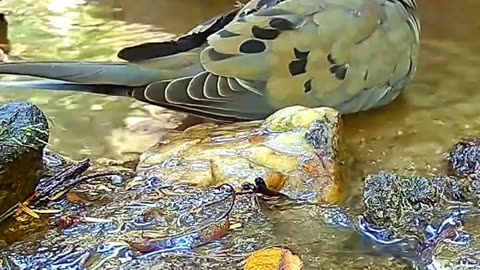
{"type": "Point", "coordinates": [410, 135]}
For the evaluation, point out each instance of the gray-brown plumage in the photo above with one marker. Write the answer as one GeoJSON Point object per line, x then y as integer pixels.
{"type": "Point", "coordinates": [351, 55]}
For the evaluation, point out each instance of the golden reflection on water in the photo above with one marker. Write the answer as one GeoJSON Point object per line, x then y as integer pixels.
{"type": "Point", "coordinates": [410, 135]}
{"type": "Point", "coordinates": [87, 125]}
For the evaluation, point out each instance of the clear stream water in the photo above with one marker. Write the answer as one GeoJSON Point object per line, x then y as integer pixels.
{"type": "Point", "coordinates": [411, 135]}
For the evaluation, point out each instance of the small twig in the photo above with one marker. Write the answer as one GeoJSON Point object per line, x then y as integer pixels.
{"type": "Point", "coordinates": [57, 186]}
{"type": "Point", "coordinates": [28, 211]}
{"type": "Point", "coordinates": [70, 172]}
{"type": "Point", "coordinates": [9, 213]}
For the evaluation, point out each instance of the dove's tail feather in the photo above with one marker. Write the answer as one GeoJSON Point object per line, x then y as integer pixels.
{"type": "Point", "coordinates": [85, 73]}
{"type": "Point", "coordinates": [114, 79]}
{"type": "Point", "coordinates": [104, 89]}
{"type": "Point", "coordinates": [194, 94]}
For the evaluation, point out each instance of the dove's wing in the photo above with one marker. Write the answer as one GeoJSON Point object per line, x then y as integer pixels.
{"type": "Point", "coordinates": [179, 57]}
{"type": "Point", "coordinates": [192, 41]}
{"type": "Point", "coordinates": [314, 53]}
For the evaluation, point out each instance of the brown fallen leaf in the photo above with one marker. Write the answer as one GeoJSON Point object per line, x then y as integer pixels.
{"type": "Point", "coordinates": [273, 259]}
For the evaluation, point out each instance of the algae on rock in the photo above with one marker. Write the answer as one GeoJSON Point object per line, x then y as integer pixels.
{"type": "Point", "coordinates": [23, 135]}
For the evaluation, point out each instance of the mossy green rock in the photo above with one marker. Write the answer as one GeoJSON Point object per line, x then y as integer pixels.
{"type": "Point", "coordinates": [23, 134]}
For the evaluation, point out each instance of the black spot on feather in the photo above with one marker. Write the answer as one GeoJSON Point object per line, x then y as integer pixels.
{"type": "Point", "coordinates": [281, 24]}
{"type": "Point", "coordinates": [340, 71]}
{"type": "Point", "coordinates": [218, 56]}
{"type": "Point", "coordinates": [252, 46]}
{"type": "Point", "coordinates": [330, 59]}
{"type": "Point", "coordinates": [226, 34]}
{"type": "Point", "coordinates": [307, 86]}
{"type": "Point", "coordinates": [298, 66]}
{"type": "Point", "coordinates": [300, 54]}
{"type": "Point", "coordinates": [262, 33]}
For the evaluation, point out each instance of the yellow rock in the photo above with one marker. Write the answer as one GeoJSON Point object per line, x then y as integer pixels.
{"type": "Point", "coordinates": [273, 259]}
{"type": "Point", "coordinates": [295, 150]}
{"type": "Point", "coordinates": [297, 117]}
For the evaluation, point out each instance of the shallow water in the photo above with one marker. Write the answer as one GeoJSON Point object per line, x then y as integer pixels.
{"type": "Point", "coordinates": [410, 135]}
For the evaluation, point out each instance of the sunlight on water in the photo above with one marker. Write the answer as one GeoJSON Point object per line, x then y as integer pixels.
{"type": "Point", "coordinates": [62, 25]}
{"type": "Point", "coordinates": [60, 6]}
{"type": "Point", "coordinates": [411, 135]}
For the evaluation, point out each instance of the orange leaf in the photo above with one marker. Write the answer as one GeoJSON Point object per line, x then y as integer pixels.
{"type": "Point", "coordinates": [273, 259]}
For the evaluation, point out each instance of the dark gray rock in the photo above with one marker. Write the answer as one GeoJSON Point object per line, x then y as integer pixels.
{"type": "Point", "coordinates": [464, 159]}
{"type": "Point", "coordinates": [23, 134]}
{"type": "Point", "coordinates": [418, 217]}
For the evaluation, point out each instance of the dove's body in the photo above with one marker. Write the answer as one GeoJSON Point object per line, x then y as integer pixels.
{"type": "Point", "coordinates": [351, 55]}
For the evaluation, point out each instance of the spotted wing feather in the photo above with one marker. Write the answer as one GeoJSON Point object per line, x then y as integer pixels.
{"type": "Point", "coordinates": [318, 53]}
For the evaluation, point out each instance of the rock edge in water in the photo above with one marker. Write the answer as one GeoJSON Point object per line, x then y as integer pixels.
{"type": "Point", "coordinates": [295, 150]}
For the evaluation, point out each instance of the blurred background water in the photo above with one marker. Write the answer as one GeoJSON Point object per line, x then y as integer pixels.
{"type": "Point", "coordinates": [91, 125]}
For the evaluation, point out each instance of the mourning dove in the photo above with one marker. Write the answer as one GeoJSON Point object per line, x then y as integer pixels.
{"type": "Point", "coordinates": [350, 55]}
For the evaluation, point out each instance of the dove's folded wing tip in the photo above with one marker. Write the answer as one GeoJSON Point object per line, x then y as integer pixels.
{"type": "Point", "coordinates": [193, 39]}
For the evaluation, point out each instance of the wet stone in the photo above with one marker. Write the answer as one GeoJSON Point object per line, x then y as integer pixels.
{"type": "Point", "coordinates": [419, 218]}
{"type": "Point", "coordinates": [23, 134]}
{"type": "Point", "coordinates": [405, 204]}
{"type": "Point", "coordinates": [295, 151]}
{"type": "Point", "coordinates": [464, 159]}
{"type": "Point", "coordinates": [462, 254]}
